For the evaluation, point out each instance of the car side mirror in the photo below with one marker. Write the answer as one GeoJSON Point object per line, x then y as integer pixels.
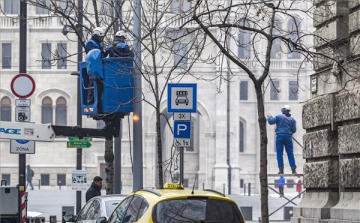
{"type": "Point", "coordinates": [69, 218]}
{"type": "Point", "coordinates": [101, 220]}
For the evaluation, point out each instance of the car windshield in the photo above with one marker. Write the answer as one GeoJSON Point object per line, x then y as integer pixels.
{"type": "Point", "coordinates": [110, 206]}
{"type": "Point", "coordinates": [199, 210]}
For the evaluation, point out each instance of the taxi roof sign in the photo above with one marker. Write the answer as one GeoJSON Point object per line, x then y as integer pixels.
{"type": "Point", "coordinates": [173, 186]}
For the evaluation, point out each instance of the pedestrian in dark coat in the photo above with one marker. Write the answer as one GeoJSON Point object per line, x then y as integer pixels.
{"type": "Point", "coordinates": [29, 176]}
{"type": "Point", "coordinates": [95, 188]}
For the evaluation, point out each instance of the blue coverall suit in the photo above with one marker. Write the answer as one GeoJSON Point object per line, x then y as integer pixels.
{"type": "Point", "coordinates": [119, 49]}
{"type": "Point", "coordinates": [91, 44]}
{"type": "Point", "coordinates": [285, 127]}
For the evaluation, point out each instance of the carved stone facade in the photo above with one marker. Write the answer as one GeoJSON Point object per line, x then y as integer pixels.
{"type": "Point", "coordinates": [331, 117]}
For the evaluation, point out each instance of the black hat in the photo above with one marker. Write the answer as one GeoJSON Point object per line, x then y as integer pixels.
{"type": "Point", "coordinates": [97, 178]}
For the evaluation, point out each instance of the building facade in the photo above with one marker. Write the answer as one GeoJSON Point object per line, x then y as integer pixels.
{"type": "Point", "coordinates": [331, 118]}
{"type": "Point", "coordinates": [54, 101]}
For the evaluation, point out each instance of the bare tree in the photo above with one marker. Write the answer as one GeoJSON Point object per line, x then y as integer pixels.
{"type": "Point", "coordinates": [263, 37]}
{"type": "Point", "coordinates": [159, 47]}
{"type": "Point", "coordinates": [168, 55]}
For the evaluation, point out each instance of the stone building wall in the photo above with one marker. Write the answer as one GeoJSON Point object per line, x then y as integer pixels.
{"type": "Point", "coordinates": [332, 118]}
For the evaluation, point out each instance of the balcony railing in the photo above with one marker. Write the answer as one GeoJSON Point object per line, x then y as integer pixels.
{"type": "Point", "coordinates": [177, 21]}
{"type": "Point", "coordinates": [278, 64]}
{"type": "Point", "coordinates": [33, 22]}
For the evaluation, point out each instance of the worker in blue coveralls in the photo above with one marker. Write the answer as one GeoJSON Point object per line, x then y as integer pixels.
{"type": "Point", "coordinates": [285, 127]}
{"type": "Point", "coordinates": [95, 43]}
{"type": "Point", "coordinates": [119, 48]}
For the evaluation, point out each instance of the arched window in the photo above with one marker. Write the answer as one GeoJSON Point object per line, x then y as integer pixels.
{"type": "Point", "coordinates": [61, 111]}
{"type": "Point", "coordinates": [276, 46]}
{"type": "Point", "coordinates": [242, 137]}
{"type": "Point", "coordinates": [294, 30]}
{"type": "Point", "coordinates": [5, 109]}
{"type": "Point", "coordinates": [46, 111]}
{"type": "Point", "coordinates": [244, 44]}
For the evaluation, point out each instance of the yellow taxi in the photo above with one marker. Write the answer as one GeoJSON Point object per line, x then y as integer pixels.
{"type": "Point", "coordinates": [173, 204]}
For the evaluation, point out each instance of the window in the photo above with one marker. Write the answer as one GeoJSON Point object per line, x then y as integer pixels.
{"type": "Point", "coordinates": [6, 55]}
{"type": "Point", "coordinates": [196, 209]}
{"type": "Point", "coordinates": [294, 30]}
{"type": "Point", "coordinates": [293, 90]}
{"type": "Point", "coordinates": [274, 90]}
{"type": "Point", "coordinates": [43, 10]}
{"type": "Point", "coordinates": [7, 178]}
{"type": "Point", "coordinates": [67, 6]}
{"type": "Point", "coordinates": [276, 45]}
{"type": "Point", "coordinates": [46, 111]}
{"type": "Point", "coordinates": [83, 212]}
{"type": "Point", "coordinates": [61, 179]}
{"type": "Point", "coordinates": [241, 183]}
{"type": "Point", "coordinates": [133, 210]}
{"type": "Point", "coordinates": [243, 90]}
{"type": "Point", "coordinates": [61, 111]}
{"type": "Point", "coordinates": [106, 8]}
{"type": "Point", "coordinates": [45, 179]}
{"type": "Point", "coordinates": [11, 7]}
{"type": "Point", "coordinates": [290, 183]}
{"type": "Point", "coordinates": [93, 212]}
{"type": "Point", "coordinates": [6, 109]}
{"type": "Point", "coordinates": [242, 133]}
{"type": "Point", "coordinates": [180, 59]}
{"type": "Point", "coordinates": [119, 212]}
{"type": "Point", "coordinates": [179, 6]}
{"type": "Point", "coordinates": [46, 55]}
{"type": "Point", "coordinates": [61, 55]}
{"type": "Point", "coordinates": [276, 183]}
{"type": "Point", "coordinates": [244, 41]}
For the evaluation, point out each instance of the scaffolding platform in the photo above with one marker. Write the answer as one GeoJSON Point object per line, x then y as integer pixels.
{"type": "Point", "coordinates": [286, 175]}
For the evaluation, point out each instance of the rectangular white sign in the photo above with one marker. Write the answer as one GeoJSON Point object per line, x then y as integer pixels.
{"type": "Point", "coordinates": [22, 147]}
{"type": "Point", "coordinates": [22, 114]}
{"type": "Point", "coordinates": [182, 116]}
{"type": "Point", "coordinates": [79, 180]}
{"type": "Point", "coordinates": [23, 102]}
{"type": "Point", "coordinates": [182, 142]}
{"type": "Point", "coordinates": [26, 131]}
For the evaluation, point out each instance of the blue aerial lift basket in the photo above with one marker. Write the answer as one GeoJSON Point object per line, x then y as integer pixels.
{"type": "Point", "coordinates": [113, 84]}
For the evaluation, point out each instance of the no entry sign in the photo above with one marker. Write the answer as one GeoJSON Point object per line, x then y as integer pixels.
{"type": "Point", "coordinates": [23, 85]}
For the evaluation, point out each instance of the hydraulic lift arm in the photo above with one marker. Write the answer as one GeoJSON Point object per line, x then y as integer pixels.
{"type": "Point", "coordinates": [48, 132]}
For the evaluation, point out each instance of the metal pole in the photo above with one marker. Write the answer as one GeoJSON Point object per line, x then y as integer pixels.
{"type": "Point", "coordinates": [117, 146]}
{"type": "Point", "coordinates": [79, 117]}
{"type": "Point", "coordinates": [22, 69]}
{"type": "Point", "coordinates": [137, 114]}
{"type": "Point", "coordinates": [117, 163]}
{"type": "Point", "coordinates": [181, 165]}
{"type": "Point", "coordinates": [249, 189]}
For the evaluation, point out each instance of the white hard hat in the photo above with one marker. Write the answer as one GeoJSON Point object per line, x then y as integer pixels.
{"type": "Point", "coordinates": [99, 31]}
{"type": "Point", "coordinates": [121, 34]}
{"type": "Point", "coordinates": [287, 107]}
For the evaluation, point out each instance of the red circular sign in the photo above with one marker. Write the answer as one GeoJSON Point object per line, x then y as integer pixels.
{"type": "Point", "coordinates": [23, 85]}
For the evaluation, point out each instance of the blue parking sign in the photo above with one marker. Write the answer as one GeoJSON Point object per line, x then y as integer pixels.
{"type": "Point", "coordinates": [182, 129]}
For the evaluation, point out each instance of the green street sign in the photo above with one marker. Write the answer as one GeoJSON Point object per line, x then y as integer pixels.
{"type": "Point", "coordinates": [78, 144]}
{"type": "Point", "coordinates": [88, 139]}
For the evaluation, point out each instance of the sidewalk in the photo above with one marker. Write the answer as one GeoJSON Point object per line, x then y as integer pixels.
{"type": "Point", "coordinates": [49, 201]}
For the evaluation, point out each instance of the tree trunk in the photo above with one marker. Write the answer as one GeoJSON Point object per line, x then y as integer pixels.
{"type": "Point", "coordinates": [109, 165]}
{"type": "Point", "coordinates": [159, 147]}
{"type": "Point", "coordinates": [263, 155]}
